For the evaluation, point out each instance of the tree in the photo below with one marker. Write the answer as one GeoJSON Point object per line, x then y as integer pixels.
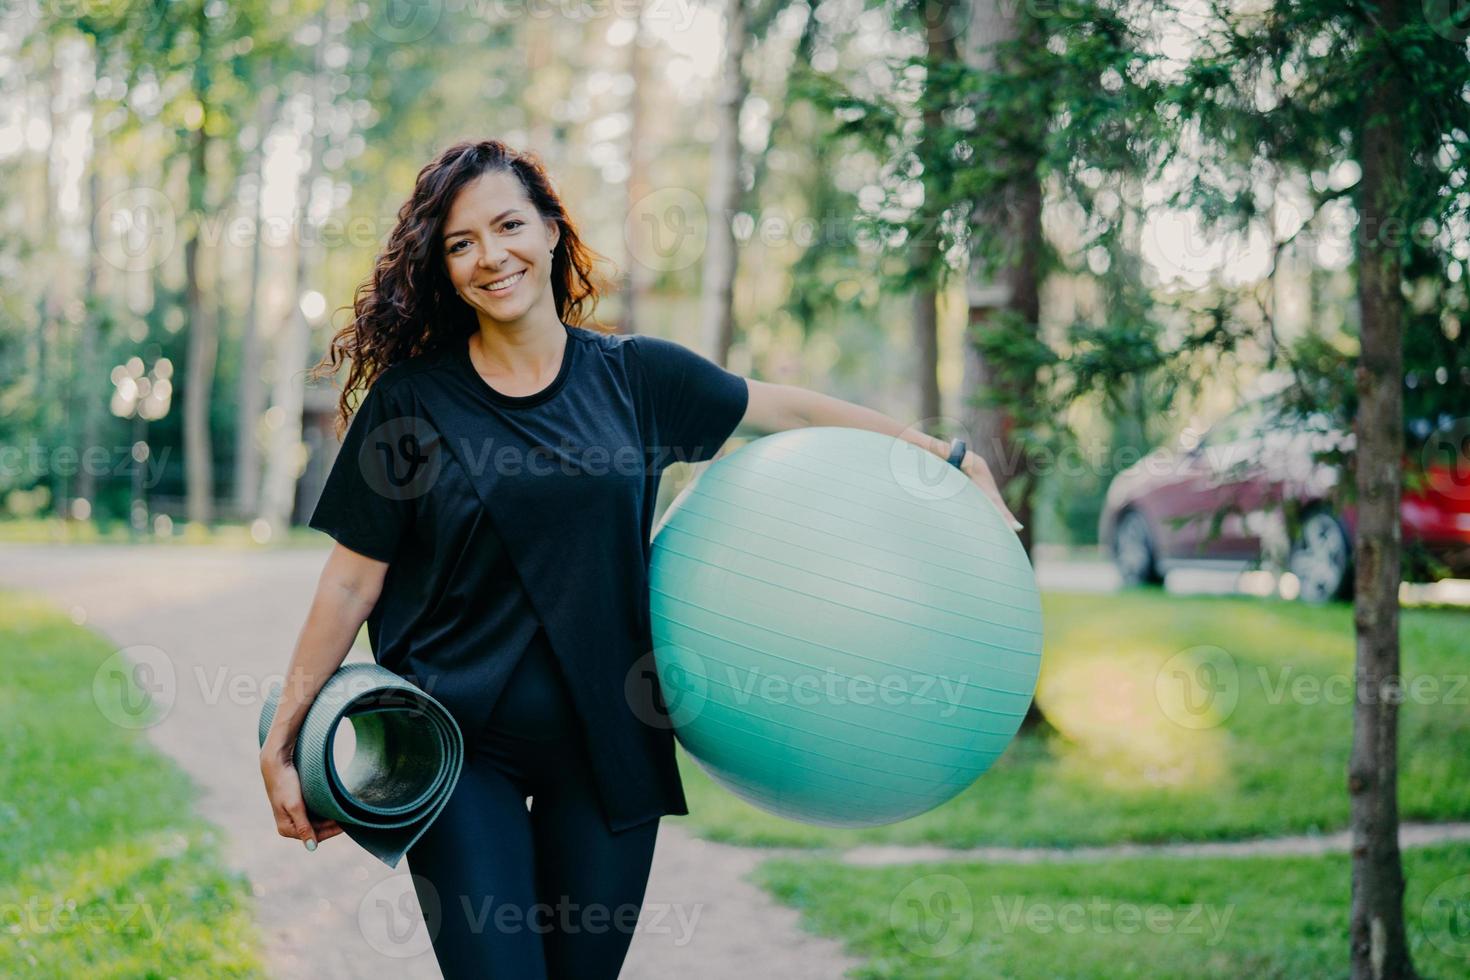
{"type": "Point", "coordinates": [1379, 945]}
{"type": "Point", "coordinates": [940, 49]}
{"type": "Point", "coordinates": [638, 275]}
{"type": "Point", "coordinates": [1369, 83]}
{"type": "Point", "coordinates": [721, 260]}
{"type": "Point", "coordinates": [249, 392]}
{"type": "Point", "coordinates": [1010, 220]}
{"type": "Point", "coordinates": [203, 329]}
{"type": "Point", "coordinates": [293, 335]}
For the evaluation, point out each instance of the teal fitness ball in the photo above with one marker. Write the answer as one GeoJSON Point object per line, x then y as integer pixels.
{"type": "Point", "coordinates": [846, 631]}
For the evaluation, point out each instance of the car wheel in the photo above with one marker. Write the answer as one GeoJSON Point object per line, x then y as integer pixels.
{"type": "Point", "coordinates": [1320, 558]}
{"type": "Point", "coordinates": [1134, 552]}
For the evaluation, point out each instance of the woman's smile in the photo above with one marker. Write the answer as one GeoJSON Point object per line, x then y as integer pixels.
{"type": "Point", "coordinates": [502, 286]}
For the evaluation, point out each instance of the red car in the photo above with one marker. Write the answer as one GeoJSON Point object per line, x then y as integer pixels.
{"type": "Point", "coordinates": [1224, 503]}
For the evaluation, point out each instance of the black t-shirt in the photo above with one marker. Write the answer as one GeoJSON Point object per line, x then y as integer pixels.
{"type": "Point", "coordinates": [499, 515]}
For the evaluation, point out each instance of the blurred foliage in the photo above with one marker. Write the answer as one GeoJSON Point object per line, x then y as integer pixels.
{"type": "Point", "coordinates": [1087, 100]}
{"type": "Point", "coordinates": [1267, 94]}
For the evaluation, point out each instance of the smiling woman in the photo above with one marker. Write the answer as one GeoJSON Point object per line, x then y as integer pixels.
{"type": "Point", "coordinates": [499, 481]}
{"type": "Point", "coordinates": [479, 216]}
{"type": "Point", "coordinates": [494, 499]}
{"type": "Point", "coordinates": [498, 255]}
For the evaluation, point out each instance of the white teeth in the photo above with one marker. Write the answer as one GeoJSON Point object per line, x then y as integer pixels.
{"type": "Point", "coordinates": [508, 281]}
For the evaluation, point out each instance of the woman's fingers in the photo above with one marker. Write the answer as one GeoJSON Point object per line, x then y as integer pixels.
{"type": "Point", "coordinates": [986, 482]}
{"type": "Point", "coordinates": [326, 829]}
{"type": "Point", "coordinates": [291, 821]}
{"type": "Point", "coordinates": [289, 808]}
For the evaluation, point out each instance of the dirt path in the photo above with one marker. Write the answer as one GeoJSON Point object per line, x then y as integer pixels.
{"type": "Point", "coordinates": [219, 624]}
{"type": "Point", "coordinates": [1303, 845]}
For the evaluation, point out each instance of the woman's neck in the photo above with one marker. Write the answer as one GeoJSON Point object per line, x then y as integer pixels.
{"type": "Point", "coordinates": [528, 352]}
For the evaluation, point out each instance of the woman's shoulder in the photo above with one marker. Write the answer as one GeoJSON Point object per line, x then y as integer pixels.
{"type": "Point", "coordinates": [600, 339]}
{"type": "Point", "coordinates": [401, 377]}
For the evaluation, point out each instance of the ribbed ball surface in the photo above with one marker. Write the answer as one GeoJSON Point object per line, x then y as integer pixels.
{"type": "Point", "coordinates": [846, 631]}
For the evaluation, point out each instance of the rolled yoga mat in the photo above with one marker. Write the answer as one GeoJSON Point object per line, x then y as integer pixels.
{"type": "Point", "coordinates": [407, 758]}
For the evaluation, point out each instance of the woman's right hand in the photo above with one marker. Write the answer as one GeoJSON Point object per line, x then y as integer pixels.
{"type": "Point", "coordinates": [283, 787]}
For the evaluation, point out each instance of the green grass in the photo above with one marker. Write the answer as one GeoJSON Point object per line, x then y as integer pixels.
{"type": "Point", "coordinates": [1130, 759]}
{"type": "Point", "coordinates": [1257, 917]}
{"type": "Point", "coordinates": [104, 871]}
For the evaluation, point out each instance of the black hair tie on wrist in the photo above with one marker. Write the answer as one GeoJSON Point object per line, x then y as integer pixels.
{"type": "Point", "coordinates": [957, 453]}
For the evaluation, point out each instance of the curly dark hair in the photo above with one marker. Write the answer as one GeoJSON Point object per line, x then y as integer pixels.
{"type": "Point", "coordinates": [408, 306]}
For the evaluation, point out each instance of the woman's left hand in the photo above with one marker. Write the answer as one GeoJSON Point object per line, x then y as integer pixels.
{"type": "Point", "coordinates": [975, 467]}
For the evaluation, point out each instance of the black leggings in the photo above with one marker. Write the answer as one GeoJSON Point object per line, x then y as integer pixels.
{"type": "Point", "coordinates": [546, 893]}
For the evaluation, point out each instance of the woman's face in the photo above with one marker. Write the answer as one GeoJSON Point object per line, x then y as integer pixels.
{"type": "Point", "coordinates": [493, 234]}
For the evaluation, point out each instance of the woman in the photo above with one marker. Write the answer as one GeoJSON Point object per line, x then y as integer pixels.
{"type": "Point", "coordinates": [492, 504]}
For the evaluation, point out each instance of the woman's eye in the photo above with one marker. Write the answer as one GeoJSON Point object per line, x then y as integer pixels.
{"type": "Point", "coordinates": [456, 245]}
{"type": "Point", "coordinates": [512, 222]}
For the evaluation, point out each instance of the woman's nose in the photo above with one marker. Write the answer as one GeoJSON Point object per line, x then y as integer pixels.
{"type": "Point", "coordinates": [492, 257]}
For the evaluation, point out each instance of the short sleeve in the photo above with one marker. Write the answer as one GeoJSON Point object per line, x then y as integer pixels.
{"type": "Point", "coordinates": [389, 457]}
{"type": "Point", "coordinates": [696, 403]}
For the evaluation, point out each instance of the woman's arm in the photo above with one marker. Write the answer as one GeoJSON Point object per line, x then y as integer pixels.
{"type": "Point", "coordinates": [346, 592]}
{"type": "Point", "coordinates": [777, 407]}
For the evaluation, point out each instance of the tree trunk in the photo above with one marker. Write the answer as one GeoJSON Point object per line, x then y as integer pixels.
{"type": "Point", "coordinates": [717, 298]}
{"type": "Point", "coordinates": [293, 337]}
{"type": "Point", "coordinates": [203, 339]}
{"type": "Point", "coordinates": [639, 278]}
{"type": "Point", "coordinates": [251, 392]}
{"type": "Point", "coordinates": [93, 390]}
{"type": "Point", "coordinates": [1379, 946]}
{"type": "Point", "coordinates": [939, 42]}
{"type": "Point", "coordinates": [51, 382]}
{"type": "Point", "coordinates": [1017, 224]}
